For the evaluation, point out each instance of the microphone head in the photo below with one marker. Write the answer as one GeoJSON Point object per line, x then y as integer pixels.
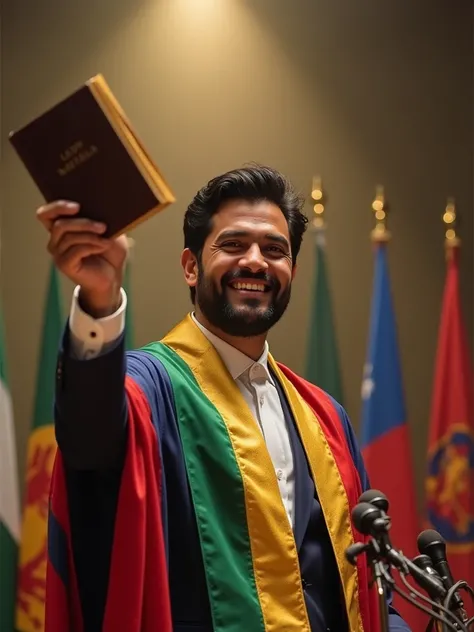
{"type": "Point", "coordinates": [363, 516]}
{"type": "Point", "coordinates": [375, 497]}
{"type": "Point", "coordinates": [431, 543]}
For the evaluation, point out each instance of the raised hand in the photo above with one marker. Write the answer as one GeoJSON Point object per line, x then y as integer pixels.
{"type": "Point", "coordinates": [81, 253]}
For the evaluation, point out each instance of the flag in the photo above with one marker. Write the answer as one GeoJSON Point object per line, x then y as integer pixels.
{"type": "Point", "coordinates": [129, 339]}
{"type": "Point", "coordinates": [322, 362]}
{"type": "Point", "coordinates": [40, 458]}
{"type": "Point", "coordinates": [449, 484]}
{"type": "Point", "coordinates": [385, 440]}
{"type": "Point", "coordinates": [9, 498]}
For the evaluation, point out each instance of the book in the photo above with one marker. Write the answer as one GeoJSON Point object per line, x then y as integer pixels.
{"type": "Point", "coordinates": [84, 150]}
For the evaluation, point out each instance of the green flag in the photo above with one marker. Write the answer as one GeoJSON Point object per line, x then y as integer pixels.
{"type": "Point", "coordinates": [129, 342]}
{"type": "Point", "coordinates": [322, 362]}
{"type": "Point", "coordinates": [40, 459]}
{"type": "Point", "coordinates": [9, 498]}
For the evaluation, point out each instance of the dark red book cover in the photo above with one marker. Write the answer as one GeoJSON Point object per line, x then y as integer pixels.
{"type": "Point", "coordinates": [82, 150]}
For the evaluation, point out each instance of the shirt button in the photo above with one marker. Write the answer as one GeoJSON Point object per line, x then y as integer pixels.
{"type": "Point", "coordinates": [261, 400]}
{"type": "Point", "coordinates": [279, 474]}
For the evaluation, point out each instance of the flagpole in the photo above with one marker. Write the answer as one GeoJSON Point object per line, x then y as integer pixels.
{"type": "Point", "coordinates": [451, 418]}
{"type": "Point", "coordinates": [380, 235]}
{"type": "Point", "coordinates": [322, 354]}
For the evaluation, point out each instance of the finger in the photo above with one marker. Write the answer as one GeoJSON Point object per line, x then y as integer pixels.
{"type": "Point", "coordinates": [77, 239]}
{"type": "Point", "coordinates": [61, 227]}
{"type": "Point", "coordinates": [50, 212]}
{"type": "Point", "coordinates": [72, 258]}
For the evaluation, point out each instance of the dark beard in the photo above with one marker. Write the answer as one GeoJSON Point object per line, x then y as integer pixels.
{"type": "Point", "coordinates": [247, 320]}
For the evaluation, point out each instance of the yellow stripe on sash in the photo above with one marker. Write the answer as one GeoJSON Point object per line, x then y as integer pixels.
{"type": "Point", "coordinates": [330, 490]}
{"type": "Point", "coordinates": [275, 557]}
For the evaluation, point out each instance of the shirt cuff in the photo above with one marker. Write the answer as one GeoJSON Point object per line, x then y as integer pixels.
{"type": "Point", "coordinates": [92, 336]}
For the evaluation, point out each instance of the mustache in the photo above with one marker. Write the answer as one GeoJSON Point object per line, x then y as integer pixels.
{"type": "Point", "coordinates": [235, 275]}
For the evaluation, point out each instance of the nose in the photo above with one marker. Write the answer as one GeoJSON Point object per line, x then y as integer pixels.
{"type": "Point", "coordinates": [253, 259]}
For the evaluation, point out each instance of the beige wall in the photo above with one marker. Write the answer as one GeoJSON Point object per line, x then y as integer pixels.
{"type": "Point", "coordinates": [361, 92]}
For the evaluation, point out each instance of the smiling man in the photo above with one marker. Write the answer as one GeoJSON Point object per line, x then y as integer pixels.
{"type": "Point", "coordinates": [199, 485]}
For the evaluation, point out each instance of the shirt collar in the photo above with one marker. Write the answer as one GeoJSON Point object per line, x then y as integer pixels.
{"type": "Point", "coordinates": [236, 362]}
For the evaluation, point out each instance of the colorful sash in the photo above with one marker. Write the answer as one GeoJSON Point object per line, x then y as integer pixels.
{"type": "Point", "coordinates": [245, 534]}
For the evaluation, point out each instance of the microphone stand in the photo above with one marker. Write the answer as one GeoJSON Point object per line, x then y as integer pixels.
{"type": "Point", "coordinates": [370, 518]}
{"type": "Point", "coordinates": [380, 574]}
{"type": "Point", "coordinates": [383, 579]}
{"type": "Point", "coordinates": [380, 560]}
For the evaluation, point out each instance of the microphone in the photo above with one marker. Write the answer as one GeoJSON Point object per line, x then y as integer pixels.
{"type": "Point", "coordinates": [432, 544]}
{"type": "Point", "coordinates": [375, 497]}
{"type": "Point", "coordinates": [434, 588]}
{"type": "Point", "coordinates": [369, 520]}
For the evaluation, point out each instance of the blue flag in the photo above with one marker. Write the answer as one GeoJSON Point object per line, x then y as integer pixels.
{"type": "Point", "coordinates": [383, 404]}
{"type": "Point", "coordinates": [385, 440]}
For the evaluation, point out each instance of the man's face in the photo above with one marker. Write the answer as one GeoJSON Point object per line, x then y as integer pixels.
{"type": "Point", "coordinates": [244, 276]}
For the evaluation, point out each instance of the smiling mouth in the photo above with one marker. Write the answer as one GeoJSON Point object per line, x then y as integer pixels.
{"type": "Point", "coordinates": [255, 288]}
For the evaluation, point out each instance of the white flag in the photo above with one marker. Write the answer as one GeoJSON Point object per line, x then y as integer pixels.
{"type": "Point", "coordinates": [9, 499]}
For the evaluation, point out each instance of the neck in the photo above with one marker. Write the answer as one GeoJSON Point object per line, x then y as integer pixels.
{"type": "Point", "coordinates": [252, 347]}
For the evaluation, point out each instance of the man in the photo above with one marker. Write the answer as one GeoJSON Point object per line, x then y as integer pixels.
{"type": "Point", "coordinates": [199, 485]}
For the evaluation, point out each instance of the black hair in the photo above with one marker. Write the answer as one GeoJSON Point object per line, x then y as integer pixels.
{"type": "Point", "coordinates": [253, 183]}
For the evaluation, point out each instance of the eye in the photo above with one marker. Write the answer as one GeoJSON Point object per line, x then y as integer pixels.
{"type": "Point", "coordinates": [231, 245]}
{"type": "Point", "coordinates": [276, 250]}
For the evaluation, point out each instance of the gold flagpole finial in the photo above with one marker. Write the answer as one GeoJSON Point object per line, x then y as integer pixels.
{"type": "Point", "coordinates": [450, 220]}
{"type": "Point", "coordinates": [318, 196]}
{"type": "Point", "coordinates": [380, 208]}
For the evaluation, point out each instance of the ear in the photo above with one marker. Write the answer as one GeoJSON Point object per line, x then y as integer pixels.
{"type": "Point", "coordinates": [293, 272]}
{"type": "Point", "coordinates": [190, 267]}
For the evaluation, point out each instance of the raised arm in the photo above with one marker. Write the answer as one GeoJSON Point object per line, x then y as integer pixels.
{"type": "Point", "coordinates": [90, 411]}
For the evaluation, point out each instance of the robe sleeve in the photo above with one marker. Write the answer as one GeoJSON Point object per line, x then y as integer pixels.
{"type": "Point", "coordinates": [90, 410]}
{"type": "Point", "coordinates": [107, 528]}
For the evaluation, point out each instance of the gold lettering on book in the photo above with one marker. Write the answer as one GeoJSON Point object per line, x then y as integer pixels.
{"type": "Point", "coordinates": [75, 156]}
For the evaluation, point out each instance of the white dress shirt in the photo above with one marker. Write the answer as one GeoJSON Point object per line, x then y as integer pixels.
{"type": "Point", "coordinates": [91, 337]}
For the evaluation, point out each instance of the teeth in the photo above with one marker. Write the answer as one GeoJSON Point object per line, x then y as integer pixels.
{"type": "Point", "coordinates": [256, 287]}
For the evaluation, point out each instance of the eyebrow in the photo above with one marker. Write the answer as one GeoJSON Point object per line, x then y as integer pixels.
{"type": "Point", "coordinates": [233, 234]}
